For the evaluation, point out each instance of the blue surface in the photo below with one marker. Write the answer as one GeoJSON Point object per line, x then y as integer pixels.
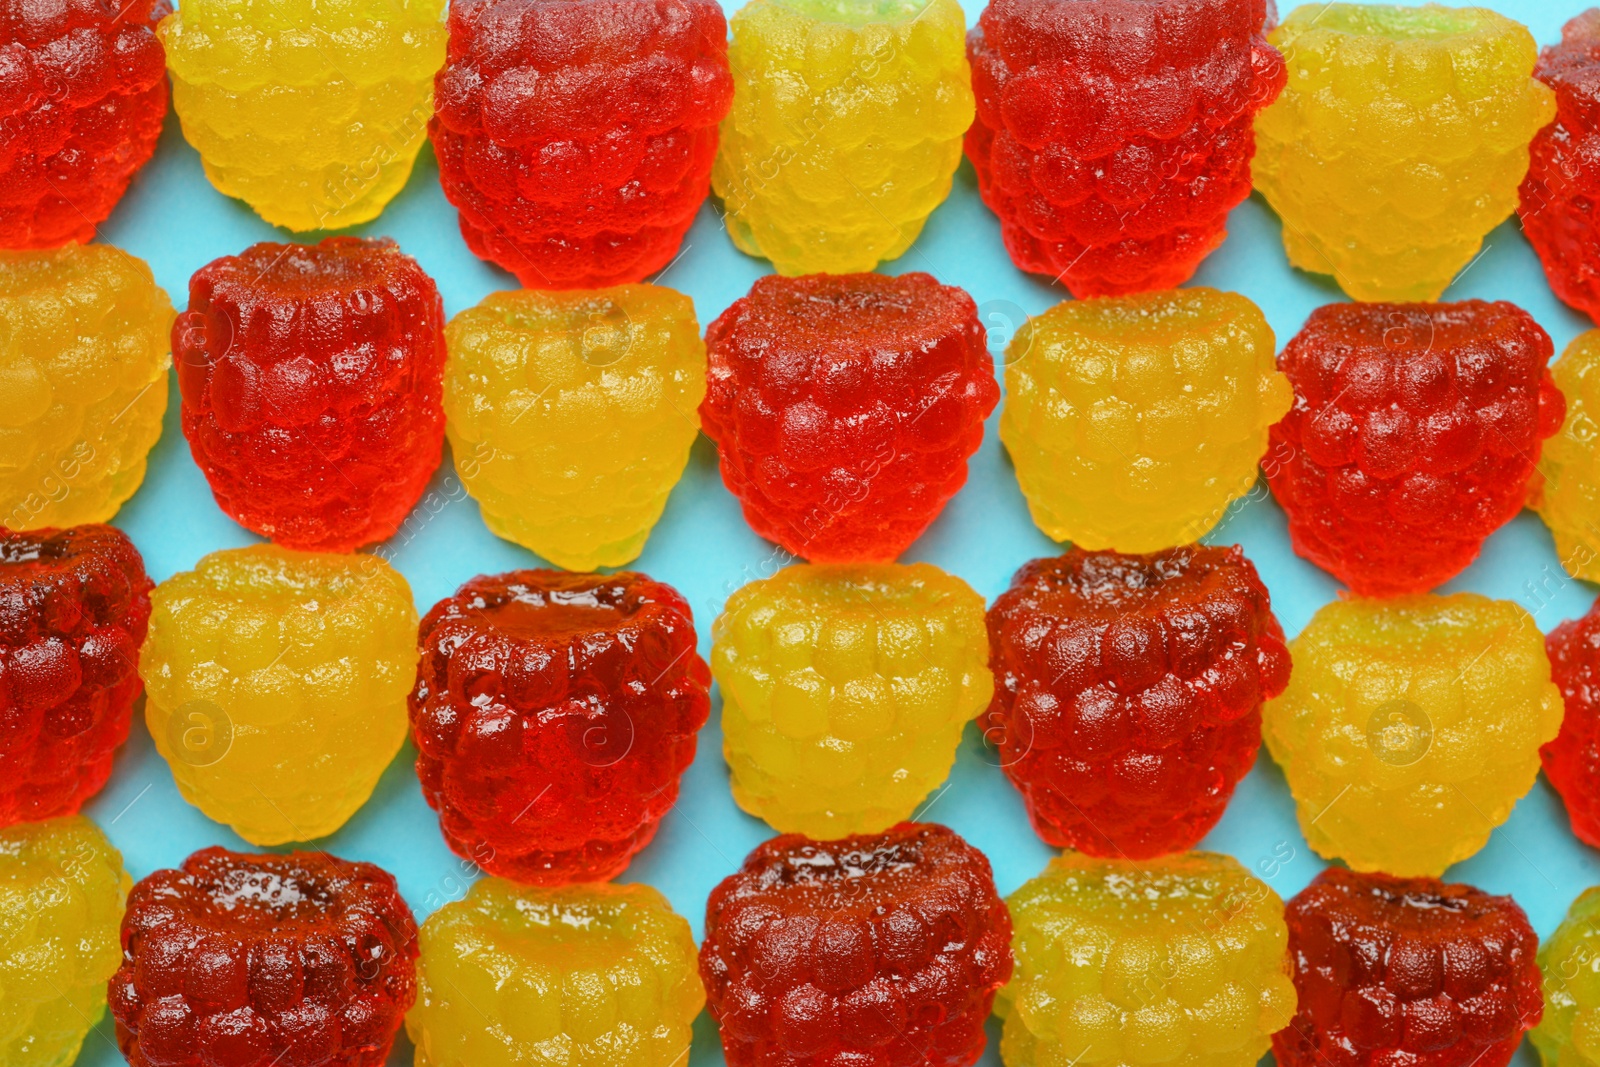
{"type": "Point", "coordinates": [176, 221]}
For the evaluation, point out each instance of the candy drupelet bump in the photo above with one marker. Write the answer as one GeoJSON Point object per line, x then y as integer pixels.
{"type": "Point", "coordinates": [1569, 1033]}
{"type": "Point", "coordinates": [1572, 760]}
{"type": "Point", "coordinates": [1566, 490]}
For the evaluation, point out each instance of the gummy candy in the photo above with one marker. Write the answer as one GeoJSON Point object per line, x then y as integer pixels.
{"type": "Point", "coordinates": [845, 130]}
{"type": "Point", "coordinates": [1179, 961]}
{"type": "Point", "coordinates": [84, 343]}
{"type": "Point", "coordinates": [1565, 1037]}
{"type": "Point", "coordinates": [1572, 760]}
{"type": "Point", "coordinates": [74, 605]}
{"type": "Point", "coordinates": [1135, 422]}
{"type": "Point", "coordinates": [845, 407]}
{"type": "Point", "coordinates": [1566, 489]}
{"type": "Point", "coordinates": [1128, 690]}
{"type": "Point", "coordinates": [311, 388]}
{"type": "Point", "coordinates": [1399, 141]}
{"type": "Point", "coordinates": [276, 685]}
{"type": "Point", "coordinates": [882, 950]}
{"type": "Point", "coordinates": [311, 113]}
{"type": "Point", "coordinates": [239, 959]}
{"type": "Point", "coordinates": [1413, 436]}
{"type": "Point", "coordinates": [575, 137]}
{"type": "Point", "coordinates": [571, 415]}
{"type": "Point", "coordinates": [845, 689]}
{"type": "Point", "coordinates": [553, 716]}
{"type": "Point", "coordinates": [1410, 727]}
{"type": "Point", "coordinates": [1113, 138]}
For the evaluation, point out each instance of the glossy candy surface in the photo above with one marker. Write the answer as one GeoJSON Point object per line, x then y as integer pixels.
{"type": "Point", "coordinates": [1572, 761]}
{"type": "Point", "coordinates": [1566, 490]}
{"type": "Point", "coordinates": [1567, 1035]}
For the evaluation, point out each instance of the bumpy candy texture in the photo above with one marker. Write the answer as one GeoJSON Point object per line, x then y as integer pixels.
{"type": "Point", "coordinates": [84, 343]}
{"type": "Point", "coordinates": [571, 415]}
{"type": "Point", "coordinates": [844, 408]}
{"type": "Point", "coordinates": [311, 380]}
{"type": "Point", "coordinates": [1572, 760]}
{"type": "Point", "coordinates": [882, 950]}
{"type": "Point", "coordinates": [311, 113]}
{"type": "Point", "coordinates": [1407, 971]}
{"type": "Point", "coordinates": [1128, 690]}
{"type": "Point", "coordinates": [553, 716]}
{"type": "Point", "coordinates": [583, 976]}
{"type": "Point", "coordinates": [61, 891]}
{"type": "Point", "coordinates": [845, 690]}
{"type": "Point", "coordinates": [74, 605]}
{"type": "Point", "coordinates": [1135, 422]}
{"type": "Point", "coordinates": [1399, 142]}
{"type": "Point", "coordinates": [575, 137]}
{"type": "Point", "coordinates": [845, 130]}
{"type": "Point", "coordinates": [277, 683]}
{"type": "Point", "coordinates": [1114, 136]}
{"type": "Point", "coordinates": [1566, 489]}
{"type": "Point", "coordinates": [1569, 1033]}
{"type": "Point", "coordinates": [238, 960]}
{"type": "Point", "coordinates": [1422, 717]}
{"type": "Point", "coordinates": [1414, 433]}
{"type": "Point", "coordinates": [83, 90]}
{"type": "Point", "coordinates": [1177, 961]}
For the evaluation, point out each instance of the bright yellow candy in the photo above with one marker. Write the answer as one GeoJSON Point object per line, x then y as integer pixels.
{"type": "Point", "coordinates": [1567, 492]}
{"type": "Point", "coordinates": [276, 685]}
{"type": "Point", "coordinates": [1399, 141]}
{"type": "Point", "coordinates": [845, 130]}
{"type": "Point", "coordinates": [1134, 422]}
{"type": "Point", "coordinates": [1569, 1034]}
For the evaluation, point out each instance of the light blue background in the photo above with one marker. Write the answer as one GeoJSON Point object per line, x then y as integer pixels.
{"type": "Point", "coordinates": [175, 220]}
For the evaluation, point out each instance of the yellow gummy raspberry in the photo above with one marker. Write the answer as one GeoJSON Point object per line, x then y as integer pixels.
{"type": "Point", "coordinates": [1569, 1034]}
{"type": "Point", "coordinates": [1411, 727]}
{"type": "Point", "coordinates": [570, 415]}
{"type": "Point", "coordinates": [845, 130]}
{"type": "Point", "coordinates": [276, 685]}
{"type": "Point", "coordinates": [85, 342]}
{"type": "Point", "coordinates": [581, 976]}
{"type": "Point", "coordinates": [1399, 142]}
{"type": "Point", "coordinates": [312, 113]}
{"type": "Point", "coordinates": [62, 889]}
{"type": "Point", "coordinates": [1135, 421]}
{"type": "Point", "coordinates": [1180, 961]}
{"type": "Point", "coordinates": [845, 689]}
{"type": "Point", "coordinates": [1567, 491]}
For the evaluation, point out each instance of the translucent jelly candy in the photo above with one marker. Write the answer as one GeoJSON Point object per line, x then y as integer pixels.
{"type": "Point", "coordinates": [1399, 142]}
{"type": "Point", "coordinates": [1411, 727]}
{"type": "Point", "coordinates": [277, 685]}
{"type": "Point", "coordinates": [845, 690]}
{"type": "Point", "coordinates": [571, 415]}
{"type": "Point", "coordinates": [1566, 490]}
{"type": "Point", "coordinates": [845, 131]}
{"type": "Point", "coordinates": [1572, 760]}
{"type": "Point", "coordinates": [1135, 422]}
{"type": "Point", "coordinates": [1567, 1035]}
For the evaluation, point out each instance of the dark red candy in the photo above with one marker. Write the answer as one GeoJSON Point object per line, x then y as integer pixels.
{"type": "Point", "coordinates": [1572, 760]}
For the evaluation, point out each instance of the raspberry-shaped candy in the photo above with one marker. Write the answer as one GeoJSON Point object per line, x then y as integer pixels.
{"type": "Point", "coordinates": [277, 684]}
{"type": "Point", "coordinates": [845, 408]}
{"type": "Point", "coordinates": [553, 716]}
{"type": "Point", "coordinates": [311, 388]}
{"type": "Point", "coordinates": [1413, 436]}
{"type": "Point", "coordinates": [1178, 961]}
{"type": "Point", "coordinates": [1407, 971]}
{"type": "Point", "coordinates": [1566, 490]}
{"type": "Point", "coordinates": [1411, 727]}
{"type": "Point", "coordinates": [238, 958]}
{"type": "Point", "coordinates": [571, 415]}
{"type": "Point", "coordinates": [312, 113]}
{"type": "Point", "coordinates": [845, 690]}
{"type": "Point", "coordinates": [1572, 760]}
{"type": "Point", "coordinates": [575, 137]}
{"type": "Point", "coordinates": [1569, 1033]}
{"type": "Point", "coordinates": [1114, 136]}
{"type": "Point", "coordinates": [586, 975]}
{"type": "Point", "coordinates": [883, 950]}
{"type": "Point", "coordinates": [845, 131]}
{"type": "Point", "coordinates": [84, 349]}
{"type": "Point", "coordinates": [1399, 141]}
{"type": "Point", "coordinates": [1128, 690]}
{"type": "Point", "coordinates": [1135, 422]}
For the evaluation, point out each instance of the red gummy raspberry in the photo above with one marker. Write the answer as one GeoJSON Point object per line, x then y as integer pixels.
{"type": "Point", "coordinates": [553, 716]}
{"type": "Point", "coordinates": [1572, 760]}
{"type": "Point", "coordinates": [311, 379]}
{"type": "Point", "coordinates": [883, 950]}
{"type": "Point", "coordinates": [1414, 432]}
{"type": "Point", "coordinates": [245, 960]}
{"type": "Point", "coordinates": [576, 137]}
{"type": "Point", "coordinates": [74, 605]}
{"type": "Point", "coordinates": [1407, 971]}
{"type": "Point", "coordinates": [845, 406]}
{"type": "Point", "coordinates": [1128, 690]}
